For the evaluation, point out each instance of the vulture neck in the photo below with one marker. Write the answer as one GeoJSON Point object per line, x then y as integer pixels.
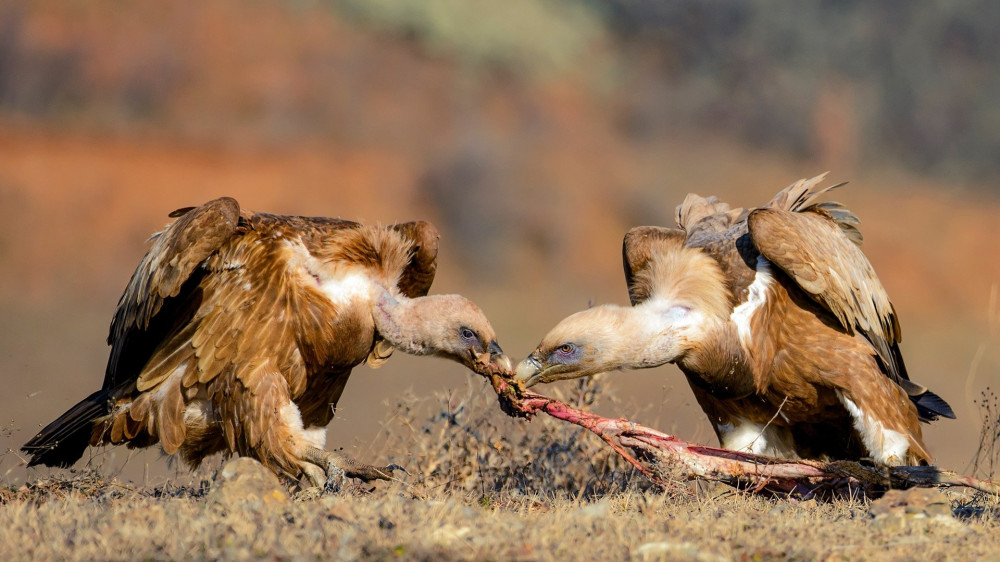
{"type": "Point", "coordinates": [719, 364]}
{"type": "Point", "coordinates": [407, 324]}
{"type": "Point", "coordinates": [621, 337]}
{"type": "Point", "coordinates": [705, 347]}
{"type": "Point", "coordinates": [637, 338]}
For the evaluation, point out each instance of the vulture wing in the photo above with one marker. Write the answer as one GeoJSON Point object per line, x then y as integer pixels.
{"type": "Point", "coordinates": [416, 279]}
{"type": "Point", "coordinates": [813, 248]}
{"type": "Point", "coordinates": [802, 196]}
{"type": "Point", "coordinates": [159, 298]}
{"type": "Point", "coordinates": [640, 245]}
{"type": "Point", "coordinates": [419, 273]}
{"type": "Point", "coordinates": [259, 317]}
{"type": "Point", "coordinates": [169, 264]}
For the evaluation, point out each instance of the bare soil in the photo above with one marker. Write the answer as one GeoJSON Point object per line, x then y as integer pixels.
{"type": "Point", "coordinates": [478, 487]}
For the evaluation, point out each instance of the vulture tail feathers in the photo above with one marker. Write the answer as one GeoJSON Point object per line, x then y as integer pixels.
{"type": "Point", "coordinates": [802, 197]}
{"type": "Point", "coordinates": [62, 442]}
{"type": "Point", "coordinates": [802, 194]}
{"type": "Point", "coordinates": [930, 406]}
{"type": "Point", "coordinates": [845, 219]}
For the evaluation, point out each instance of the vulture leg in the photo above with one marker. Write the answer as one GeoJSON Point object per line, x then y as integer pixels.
{"type": "Point", "coordinates": [338, 468]}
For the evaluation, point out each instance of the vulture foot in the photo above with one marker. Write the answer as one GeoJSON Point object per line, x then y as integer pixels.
{"type": "Point", "coordinates": [329, 470]}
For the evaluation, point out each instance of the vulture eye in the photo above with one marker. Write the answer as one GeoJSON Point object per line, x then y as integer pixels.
{"type": "Point", "coordinates": [467, 334]}
{"type": "Point", "coordinates": [566, 349]}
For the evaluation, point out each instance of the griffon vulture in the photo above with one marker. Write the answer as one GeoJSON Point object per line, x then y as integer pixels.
{"type": "Point", "coordinates": [238, 331]}
{"type": "Point", "coordinates": [777, 319]}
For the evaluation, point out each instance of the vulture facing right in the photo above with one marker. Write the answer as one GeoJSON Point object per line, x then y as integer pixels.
{"type": "Point", "coordinates": [238, 331]}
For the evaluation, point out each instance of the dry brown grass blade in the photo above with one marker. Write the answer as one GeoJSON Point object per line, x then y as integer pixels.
{"type": "Point", "coordinates": [657, 454]}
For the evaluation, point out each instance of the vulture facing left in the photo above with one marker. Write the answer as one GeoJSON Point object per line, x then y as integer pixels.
{"type": "Point", "coordinates": [776, 317]}
{"type": "Point", "coordinates": [238, 331]}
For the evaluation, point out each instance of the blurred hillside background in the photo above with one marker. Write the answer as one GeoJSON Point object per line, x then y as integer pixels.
{"type": "Point", "coordinates": [533, 133]}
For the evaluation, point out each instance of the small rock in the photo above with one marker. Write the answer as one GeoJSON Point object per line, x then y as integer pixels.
{"type": "Point", "coordinates": [670, 550]}
{"type": "Point", "coordinates": [245, 483]}
{"type": "Point", "coordinates": [890, 522]}
{"type": "Point", "coordinates": [449, 533]}
{"type": "Point", "coordinates": [915, 502]}
{"type": "Point", "coordinates": [598, 509]}
{"type": "Point", "coordinates": [779, 509]}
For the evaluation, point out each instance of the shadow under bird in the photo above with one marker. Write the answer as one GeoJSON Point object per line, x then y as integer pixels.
{"type": "Point", "coordinates": [238, 331]}
{"type": "Point", "coordinates": [776, 317]}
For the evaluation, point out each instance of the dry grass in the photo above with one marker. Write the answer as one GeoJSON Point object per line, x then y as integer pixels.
{"type": "Point", "coordinates": [480, 487]}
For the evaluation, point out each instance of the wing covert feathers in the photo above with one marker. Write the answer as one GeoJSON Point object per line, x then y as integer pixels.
{"type": "Point", "coordinates": [176, 251]}
{"type": "Point", "coordinates": [175, 254]}
{"type": "Point", "coordinates": [418, 274]}
{"type": "Point", "coordinates": [818, 246]}
{"type": "Point", "coordinates": [638, 248]}
{"type": "Point", "coordinates": [823, 261]}
{"type": "Point", "coordinates": [802, 196]}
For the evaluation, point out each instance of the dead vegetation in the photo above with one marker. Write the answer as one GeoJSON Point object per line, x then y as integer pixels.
{"type": "Point", "coordinates": [462, 445]}
{"type": "Point", "coordinates": [986, 460]}
{"type": "Point", "coordinates": [481, 486]}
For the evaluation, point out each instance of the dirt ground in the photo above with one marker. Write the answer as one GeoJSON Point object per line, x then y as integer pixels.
{"type": "Point", "coordinates": [477, 488]}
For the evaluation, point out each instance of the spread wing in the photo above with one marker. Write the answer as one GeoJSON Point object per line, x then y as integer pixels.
{"type": "Point", "coordinates": [638, 248]}
{"type": "Point", "coordinates": [256, 300]}
{"type": "Point", "coordinates": [168, 267]}
{"type": "Point", "coordinates": [813, 248]}
{"type": "Point", "coordinates": [258, 319]}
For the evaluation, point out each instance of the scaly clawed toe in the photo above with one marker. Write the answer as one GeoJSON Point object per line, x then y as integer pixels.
{"type": "Point", "coordinates": [338, 468]}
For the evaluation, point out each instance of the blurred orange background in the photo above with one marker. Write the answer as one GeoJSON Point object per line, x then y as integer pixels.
{"type": "Point", "coordinates": [533, 134]}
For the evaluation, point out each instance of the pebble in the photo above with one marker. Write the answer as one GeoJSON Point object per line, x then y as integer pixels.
{"type": "Point", "coordinates": [898, 509]}
{"type": "Point", "coordinates": [245, 483]}
{"type": "Point", "coordinates": [671, 550]}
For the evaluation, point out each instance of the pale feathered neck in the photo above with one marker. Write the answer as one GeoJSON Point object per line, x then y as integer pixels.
{"type": "Point", "coordinates": [401, 322]}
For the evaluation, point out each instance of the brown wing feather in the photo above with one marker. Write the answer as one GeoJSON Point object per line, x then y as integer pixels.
{"type": "Point", "coordinates": [822, 260]}
{"type": "Point", "coordinates": [812, 249]}
{"type": "Point", "coordinates": [169, 264]}
{"type": "Point", "coordinates": [260, 300]}
{"type": "Point", "coordinates": [638, 248]}
{"type": "Point", "coordinates": [252, 309]}
{"type": "Point", "coordinates": [803, 195]}
{"type": "Point", "coordinates": [419, 273]}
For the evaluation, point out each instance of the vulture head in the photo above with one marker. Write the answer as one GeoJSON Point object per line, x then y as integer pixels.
{"type": "Point", "coordinates": [610, 337]}
{"type": "Point", "coordinates": [687, 304]}
{"type": "Point", "coordinates": [449, 326]}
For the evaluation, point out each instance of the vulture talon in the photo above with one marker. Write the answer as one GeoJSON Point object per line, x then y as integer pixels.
{"type": "Point", "coordinates": [368, 473]}
{"type": "Point", "coordinates": [338, 468]}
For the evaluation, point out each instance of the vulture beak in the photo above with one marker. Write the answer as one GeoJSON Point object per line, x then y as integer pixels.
{"type": "Point", "coordinates": [529, 371]}
{"type": "Point", "coordinates": [492, 359]}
